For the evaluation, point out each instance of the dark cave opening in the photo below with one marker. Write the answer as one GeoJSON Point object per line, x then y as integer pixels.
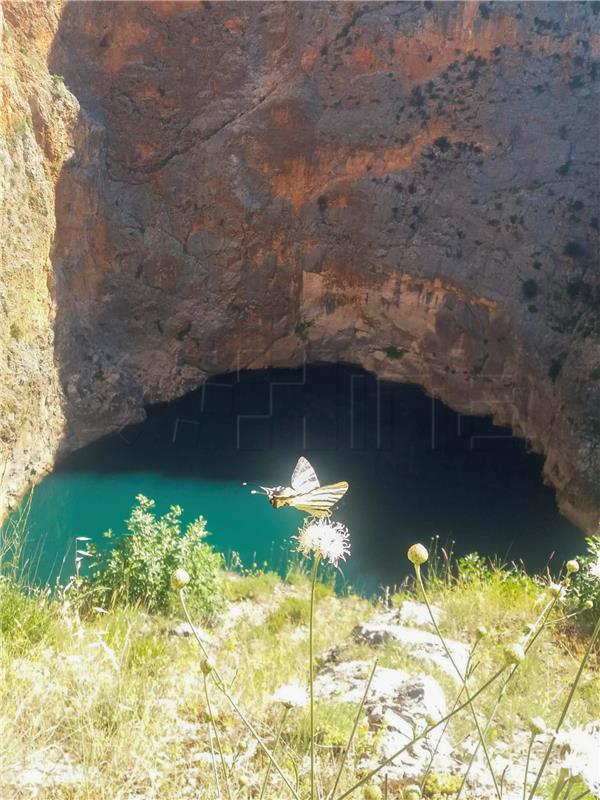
{"type": "Point", "coordinates": [415, 467]}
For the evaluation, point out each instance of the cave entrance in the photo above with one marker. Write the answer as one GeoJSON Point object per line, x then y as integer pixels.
{"type": "Point", "coordinates": [415, 468]}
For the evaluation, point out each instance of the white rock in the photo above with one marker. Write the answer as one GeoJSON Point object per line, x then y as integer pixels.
{"type": "Point", "coordinates": [421, 645]}
{"type": "Point", "coordinates": [417, 615]}
{"type": "Point", "coordinates": [43, 768]}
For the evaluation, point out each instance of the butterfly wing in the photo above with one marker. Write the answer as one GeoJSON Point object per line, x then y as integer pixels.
{"type": "Point", "coordinates": [304, 478]}
{"type": "Point", "coordinates": [320, 500]}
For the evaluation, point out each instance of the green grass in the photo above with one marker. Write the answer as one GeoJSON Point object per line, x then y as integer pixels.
{"type": "Point", "coordinates": [122, 697]}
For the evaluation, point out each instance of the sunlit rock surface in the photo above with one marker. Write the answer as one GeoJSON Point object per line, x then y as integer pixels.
{"type": "Point", "coordinates": [412, 187]}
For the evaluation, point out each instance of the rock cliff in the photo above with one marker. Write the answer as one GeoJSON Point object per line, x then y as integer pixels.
{"type": "Point", "coordinates": [411, 187]}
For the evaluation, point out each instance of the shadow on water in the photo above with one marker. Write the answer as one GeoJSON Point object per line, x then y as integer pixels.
{"type": "Point", "coordinates": [415, 468]}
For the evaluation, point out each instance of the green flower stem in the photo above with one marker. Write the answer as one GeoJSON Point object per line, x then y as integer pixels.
{"type": "Point", "coordinates": [269, 765]}
{"type": "Point", "coordinates": [583, 794]}
{"type": "Point", "coordinates": [566, 706]}
{"type": "Point", "coordinates": [311, 677]}
{"type": "Point", "coordinates": [223, 689]}
{"type": "Point", "coordinates": [562, 781]}
{"type": "Point", "coordinates": [462, 678]}
{"type": "Point", "coordinates": [352, 734]}
{"type": "Point", "coordinates": [217, 738]}
{"type": "Point", "coordinates": [537, 628]}
{"type": "Point", "coordinates": [422, 735]}
{"type": "Point", "coordinates": [214, 760]}
{"type": "Point", "coordinates": [529, 749]}
{"type": "Point", "coordinates": [455, 704]}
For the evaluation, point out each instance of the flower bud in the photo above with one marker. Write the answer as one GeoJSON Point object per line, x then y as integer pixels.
{"type": "Point", "coordinates": [572, 566]}
{"type": "Point", "coordinates": [555, 589]}
{"type": "Point", "coordinates": [411, 792]}
{"type": "Point", "coordinates": [514, 653]}
{"type": "Point", "coordinates": [179, 579]}
{"type": "Point", "coordinates": [481, 633]}
{"type": "Point", "coordinates": [417, 554]}
{"type": "Point", "coordinates": [372, 792]}
{"type": "Point", "coordinates": [537, 726]}
{"type": "Point", "coordinates": [588, 604]}
{"type": "Point", "coordinates": [207, 666]}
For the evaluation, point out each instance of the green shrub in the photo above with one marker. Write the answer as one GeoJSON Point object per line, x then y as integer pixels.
{"type": "Point", "coordinates": [585, 587]}
{"type": "Point", "coordinates": [294, 610]}
{"type": "Point", "coordinates": [441, 784]}
{"type": "Point", "coordinates": [137, 570]}
{"type": "Point", "coordinates": [27, 616]}
{"type": "Point", "coordinates": [250, 586]}
{"type": "Point", "coordinates": [394, 353]}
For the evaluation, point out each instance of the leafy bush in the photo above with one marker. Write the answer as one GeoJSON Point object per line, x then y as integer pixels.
{"type": "Point", "coordinates": [294, 610]}
{"type": "Point", "coordinates": [137, 570]}
{"type": "Point", "coordinates": [585, 587]}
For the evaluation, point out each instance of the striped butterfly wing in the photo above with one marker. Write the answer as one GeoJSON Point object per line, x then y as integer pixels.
{"type": "Point", "coordinates": [319, 500]}
{"type": "Point", "coordinates": [304, 478]}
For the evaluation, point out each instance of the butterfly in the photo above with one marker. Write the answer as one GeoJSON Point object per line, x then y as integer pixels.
{"type": "Point", "coordinates": [306, 493]}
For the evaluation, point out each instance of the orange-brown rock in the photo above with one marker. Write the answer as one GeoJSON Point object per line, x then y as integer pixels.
{"type": "Point", "coordinates": [412, 187]}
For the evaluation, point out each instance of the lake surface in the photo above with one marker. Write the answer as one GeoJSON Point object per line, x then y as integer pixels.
{"type": "Point", "coordinates": [415, 469]}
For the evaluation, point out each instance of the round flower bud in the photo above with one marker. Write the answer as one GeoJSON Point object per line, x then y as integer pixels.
{"type": "Point", "coordinates": [537, 726]}
{"type": "Point", "coordinates": [588, 604]}
{"type": "Point", "coordinates": [572, 566]}
{"type": "Point", "coordinates": [372, 792]}
{"type": "Point", "coordinates": [207, 666]}
{"type": "Point", "coordinates": [514, 653]}
{"type": "Point", "coordinates": [481, 633]}
{"type": "Point", "coordinates": [555, 589]}
{"type": "Point", "coordinates": [411, 792]}
{"type": "Point", "coordinates": [179, 579]}
{"type": "Point", "coordinates": [417, 554]}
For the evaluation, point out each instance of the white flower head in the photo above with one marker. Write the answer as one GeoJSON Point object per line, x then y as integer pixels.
{"type": "Point", "coordinates": [291, 695]}
{"type": "Point", "coordinates": [324, 538]}
{"type": "Point", "coordinates": [595, 568]}
{"type": "Point", "coordinates": [579, 749]}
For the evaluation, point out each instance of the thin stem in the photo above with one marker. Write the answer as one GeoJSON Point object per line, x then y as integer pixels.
{"type": "Point", "coordinates": [354, 727]}
{"type": "Point", "coordinates": [536, 629]}
{"type": "Point", "coordinates": [217, 737]}
{"type": "Point", "coordinates": [566, 706]}
{"type": "Point", "coordinates": [563, 779]}
{"type": "Point", "coordinates": [269, 765]}
{"type": "Point", "coordinates": [214, 760]}
{"type": "Point", "coordinates": [420, 736]}
{"type": "Point", "coordinates": [583, 794]}
{"type": "Point", "coordinates": [462, 678]}
{"type": "Point", "coordinates": [222, 687]}
{"type": "Point", "coordinates": [455, 704]}
{"type": "Point", "coordinates": [310, 677]}
{"type": "Point", "coordinates": [531, 740]}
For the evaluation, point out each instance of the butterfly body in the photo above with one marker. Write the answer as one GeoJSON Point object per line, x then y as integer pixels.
{"type": "Point", "coordinates": [306, 493]}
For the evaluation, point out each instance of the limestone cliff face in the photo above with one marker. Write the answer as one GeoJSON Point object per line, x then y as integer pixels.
{"type": "Point", "coordinates": [37, 112]}
{"type": "Point", "coordinates": [412, 187]}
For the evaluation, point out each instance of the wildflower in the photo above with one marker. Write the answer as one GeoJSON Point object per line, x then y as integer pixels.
{"type": "Point", "coordinates": [291, 695]}
{"type": "Point", "coordinates": [537, 726]}
{"type": "Point", "coordinates": [595, 568]}
{"type": "Point", "coordinates": [579, 748]}
{"type": "Point", "coordinates": [588, 604]}
{"type": "Point", "coordinates": [324, 538]}
{"type": "Point", "coordinates": [572, 566]}
{"type": "Point", "coordinates": [417, 554]}
{"type": "Point", "coordinates": [179, 579]}
{"type": "Point", "coordinates": [514, 653]}
{"type": "Point", "coordinates": [412, 792]}
{"type": "Point", "coordinates": [556, 590]}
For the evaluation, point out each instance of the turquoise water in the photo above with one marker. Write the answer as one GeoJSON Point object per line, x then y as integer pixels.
{"type": "Point", "coordinates": [415, 469]}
